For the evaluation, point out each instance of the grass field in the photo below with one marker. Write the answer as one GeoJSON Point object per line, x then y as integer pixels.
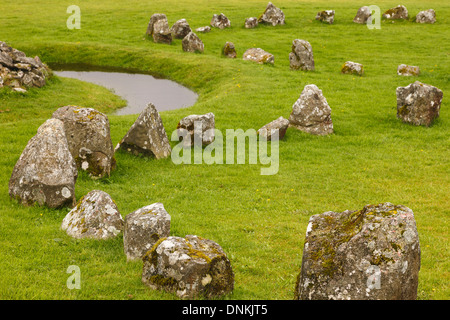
{"type": "Point", "coordinates": [260, 221]}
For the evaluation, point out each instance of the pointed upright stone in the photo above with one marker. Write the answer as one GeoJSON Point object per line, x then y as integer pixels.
{"type": "Point", "coordinates": [192, 43]}
{"type": "Point", "coordinates": [272, 15]}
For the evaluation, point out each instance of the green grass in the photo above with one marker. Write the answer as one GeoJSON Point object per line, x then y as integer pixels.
{"type": "Point", "coordinates": [260, 221]}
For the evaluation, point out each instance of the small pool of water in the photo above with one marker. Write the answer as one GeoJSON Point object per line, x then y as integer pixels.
{"type": "Point", "coordinates": [137, 89]}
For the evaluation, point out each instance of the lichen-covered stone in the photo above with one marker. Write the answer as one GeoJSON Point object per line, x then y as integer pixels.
{"type": "Point", "coordinates": [426, 16]}
{"type": "Point", "coordinates": [46, 171]}
{"type": "Point", "coordinates": [192, 43]}
{"type": "Point", "coordinates": [196, 128]}
{"type": "Point", "coordinates": [281, 124]}
{"type": "Point", "coordinates": [204, 29]}
{"type": "Point", "coordinates": [325, 16]}
{"type": "Point", "coordinates": [258, 55]}
{"type": "Point", "coordinates": [301, 56]}
{"type": "Point", "coordinates": [362, 15]}
{"type": "Point", "coordinates": [311, 112]}
{"type": "Point", "coordinates": [350, 67]}
{"type": "Point", "coordinates": [272, 15]}
{"type": "Point", "coordinates": [418, 103]}
{"type": "Point", "coordinates": [405, 70]}
{"type": "Point", "coordinates": [191, 267]}
{"type": "Point", "coordinates": [143, 228]}
{"type": "Point", "coordinates": [180, 29]}
{"type": "Point", "coordinates": [399, 12]}
{"type": "Point", "coordinates": [147, 136]}
{"type": "Point", "coordinates": [370, 254]}
{"type": "Point", "coordinates": [95, 216]}
{"type": "Point", "coordinates": [88, 136]}
{"type": "Point", "coordinates": [158, 29]}
{"type": "Point", "coordinates": [220, 21]}
{"type": "Point", "coordinates": [229, 50]}
{"type": "Point", "coordinates": [251, 23]}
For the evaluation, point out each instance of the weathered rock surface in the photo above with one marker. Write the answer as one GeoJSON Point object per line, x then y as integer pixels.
{"type": "Point", "coordinates": [204, 29]}
{"type": "Point", "coordinates": [20, 72]}
{"type": "Point", "coordinates": [220, 21]}
{"type": "Point", "coordinates": [46, 171]}
{"type": "Point", "coordinates": [272, 15]}
{"type": "Point", "coordinates": [158, 29]}
{"type": "Point", "coordinates": [192, 43]}
{"type": "Point", "coordinates": [350, 67]}
{"type": "Point", "coordinates": [362, 15]}
{"type": "Point", "coordinates": [311, 112]}
{"type": "Point", "coordinates": [370, 254]}
{"type": "Point", "coordinates": [147, 136]}
{"type": "Point", "coordinates": [325, 16]}
{"type": "Point", "coordinates": [88, 136]}
{"type": "Point", "coordinates": [301, 56]}
{"type": "Point", "coordinates": [196, 128]}
{"type": "Point", "coordinates": [399, 12]}
{"type": "Point", "coordinates": [281, 124]}
{"type": "Point", "coordinates": [251, 23]}
{"type": "Point", "coordinates": [427, 16]}
{"type": "Point", "coordinates": [191, 267]}
{"type": "Point", "coordinates": [229, 50]}
{"type": "Point", "coordinates": [143, 228]}
{"type": "Point", "coordinates": [95, 216]}
{"type": "Point", "coordinates": [258, 55]}
{"type": "Point", "coordinates": [180, 29]}
{"type": "Point", "coordinates": [405, 70]}
{"type": "Point", "coordinates": [418, 103]}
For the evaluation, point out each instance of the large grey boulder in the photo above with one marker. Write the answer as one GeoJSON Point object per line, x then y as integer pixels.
{"type": "Point", "coordinates": [311, 112]}
{"type": "Point", "coordinates": [95, 216]}
{"type": "Point", "coordinates": [147, 136]}
{"type": "Point", "coordinates": [301, 56]}
{"type": "Point", "coordinates": [143, 228]}
{"type": "Point", "coordinates": [418, 103]}
{"type": "Point", "coordinates": [368, 254]}
{"type": "Point", "coordinates": [220, 21]}
{"type": "Point", "coordinates": [426, 16]}
{"type": "Point", "coordinates": [279, 125]}
{"type": "Point", "coordinates": [192, 43]}
{"type": "Point", "coordinates": [192, 267]}
{"type": "Point", "coordinates": [258, 55]}
{"type": "Point", "coordinates": [46, 171]}
{"type": "Point", "coordinates": [326, 16]}
{"type": "Point", "coordinates": [88, 136]}
{"type": "Point", "coordinates": [158, 29]}
{"type": "Point", "coordinates": [399, 12]}
{"type": "Point", "coordinates": [350, 67]}
{"type": "Point", "coordinates": [272, 15]}
{"type": "Point", "coordinates": [180, 29]}
{"type": "Point", "coordinates": [196, 128]}
{"type": "Point", "coordinates": [362, 15]}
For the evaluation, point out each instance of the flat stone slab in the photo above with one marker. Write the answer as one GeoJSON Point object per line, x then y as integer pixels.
{"type": "Point", "coordinates": [258, 55]}
{"type": "Point", "coordinates": [279, 125]}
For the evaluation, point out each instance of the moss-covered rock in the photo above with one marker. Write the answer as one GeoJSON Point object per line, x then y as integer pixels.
{"type": "Point", "coordinates": [398, 13]}
{"type": "Point", "coordinates": [258, 55]}
{"type": "Point", "coordinates": [326, 16]}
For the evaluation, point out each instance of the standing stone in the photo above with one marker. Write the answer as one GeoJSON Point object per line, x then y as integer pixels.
{"type": "Point", "coordinates": [301, 56]}
{"type": "Point", "coordinates": [350, 67]}
{"type": "Point", "coordinates": [399, 12]}
{"type": "Point", "coordinates": [180, 29]}
{"type": "Point", "coordinates": [191, 267]}
{"type": "Point", "coordinates": [418, 103]}
{"type": "Point", "coordinates": [362, 15]}
{"type": "Point", "coordinates": [405, 70]}
{"type": "Point", "coordinates": [370, 254]}
{"type": "Point", "coordinates": [272, 15]}
{"type": "Point", "coordinates": [158, 29]}
{"type": "Point", "coordinates": [281, 124]}
{"type": "Point", "coordinates": [88, 136]}
{"type": "Point", "coordinates": [147, 136]}
{"type": "Point", "coordinates": [204, 29]}
{"type": "Point", "coordinates": [251, 23]}
{"type": "Point", "coordinates": [427, 16]}
{"type": "Point", "coordinates": [229, 50]}
{"type": "Point", "coordinates": [258, 55]}
{"type": "Point", "coordinates": [311, 112]}
{"type": "Point", "coordinates": [46, 171]}
{"type": "Point", "coordinates": [220, 21]}
{"type": "Point", "coordinates": [143, 228]}
{"type": "Point", "coordinates": [96, 216]}
{"type": "Point", "coordinates": [326, 16]}
{"type": "Point", "coordinates": [192, 43]}
{"type": "Point", "coordinates": [196, 128]}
